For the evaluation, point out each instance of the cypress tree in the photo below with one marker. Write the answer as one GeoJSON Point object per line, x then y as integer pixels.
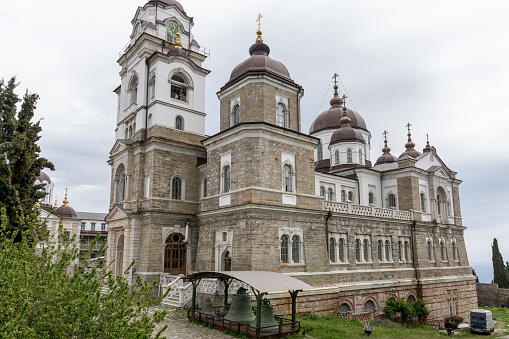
{"type": "Point", "coordinates": [500, 275]}
{"type": "Point", "coordinates": [20, 163]}
{"type": "Point", "coordinates": [476, 277]}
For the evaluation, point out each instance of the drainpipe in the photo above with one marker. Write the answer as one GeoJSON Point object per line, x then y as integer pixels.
{"type": "Point", "coordinates": [413, 241]}
{"type": "Point", "coordinates": [329, 215]}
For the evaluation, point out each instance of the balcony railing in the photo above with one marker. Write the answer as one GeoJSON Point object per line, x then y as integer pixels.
{"type": "Point", "coordinates": [390, 213]}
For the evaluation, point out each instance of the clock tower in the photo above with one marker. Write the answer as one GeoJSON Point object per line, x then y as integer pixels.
{"type": "Point", "coordinates": [155, 183]}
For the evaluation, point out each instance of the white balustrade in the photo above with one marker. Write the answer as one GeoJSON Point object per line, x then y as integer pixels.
{"type": "Point", "coordinates": [346, 208]}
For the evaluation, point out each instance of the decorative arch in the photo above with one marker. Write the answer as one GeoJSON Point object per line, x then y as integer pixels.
{"type": "Point", "coordinates": [175, 254]}
{"type": "Point", "coordinates": [391, 200]}
{"type": "Point", "coordinates": [120, 180]}
{"type": "Point", "coordinates": [180, 71]}
{"type": "Point", "coordinates": [411, 297]}
{"type": "Point", "coordinates": [177, 187]}
{"type": "Point", "coordinates": [132, 89]}
{"type": "Point", "coordinates": [226, 259]}
{"type": "Point", "coordinates": [367, 300]}
{"type": "Point", "coordinates": [347, 302]}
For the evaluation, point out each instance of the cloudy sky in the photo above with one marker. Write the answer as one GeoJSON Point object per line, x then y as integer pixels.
{"type": "Point", "coordinates": [440, 65]}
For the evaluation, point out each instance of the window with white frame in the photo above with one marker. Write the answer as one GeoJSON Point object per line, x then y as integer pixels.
{"type": "Point", "coordinates": [322, 191]}
{"type": "Point", "coordinates": [284, 248]}
{"type": "Point", "coordinates": [371, 198]}
{"type": "Point", "coordinates": [83, 226]}
{"type": "Point", "coordinates": [319, 151]}
{"type": "Point", "coordinates": [332, 250]}
{"type": "Point", "coordinates": [380, 250]}
{"type": "Point", "coordinates": [282, 118]}
{"type": "Point", "coordinates": [366, 250]}
{"type": "Point", "coordinates": [92, 226]}
{"type": "Point", "coordinates": [291, 246]}
{"type": "Point", "coordinates": [360, 156]}
{"type": "Point", "coordinates": [295, 249]}
{"type": "Point", "coordinates": [349, 158]}
{"type": "Point", "coordinates": [443, 252]}
{"type": "Point", "coordinates": [387, 250]}
{"type": "Point", "coordinates": [287, 178]}
{"type": "Point", "coordinates": [454, 249]}
{"type": "Point", "coordinates": [357, 250]}
{"type": "Point", "coordinates": [400, 251]}
{"type": "Point", "coordinates": [341, 250]}
{"type": "Point", "coordinates": [133, 90]}
{"type": "Point", "coordinates": [350, 196]}
{"type": "Point", "coordinates": [423, 202]}
{"type": "Point", "coordinates": [429, 247]}
{"type": "Point", "coordinates": [391, 200]}
{"type": "Point", "coordinates": [343, 196]}
{"type": "Point", "coordinates": [330, 194]}
{"type": "Point", "coordinates": [103, 227]}
{"type": "Point", "coordinates": [179, 123]}
{"type": "Point", "coordinates": [336, 155]}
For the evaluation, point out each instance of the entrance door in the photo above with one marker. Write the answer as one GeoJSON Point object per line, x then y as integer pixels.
{"type": "Point", "coordinates": [120, 255]}
{"type": "Point", "coordinates": [227, 261]}
{"type": "Point", "coordinates": [175, 254]}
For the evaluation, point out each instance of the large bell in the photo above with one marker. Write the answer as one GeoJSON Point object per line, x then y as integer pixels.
{"type": "Point", "coordinates": [267, 317]}
{"type": "Point", "coordinates": [240, 309]}
{"type": "Point", "coordinates": [225, 310]}
{"type": "Point", "coordinates": [206, 308]}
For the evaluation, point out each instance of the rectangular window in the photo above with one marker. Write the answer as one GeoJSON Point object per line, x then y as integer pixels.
{"type": "Point", "coordinates": [92, 226]}
{"type": "Point", "coordinates": [103, 227]}
{"type": "Point", "coordinates": [83, 226]}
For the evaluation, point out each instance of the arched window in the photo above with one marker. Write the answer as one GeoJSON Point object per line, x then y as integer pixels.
{"type": "Point", "coordinates": [400, 251]}
{"type": "Point", "coordinates": [126, 134]}
{"type": "Point", "coordinates": [369, 306]}
{"type": "Point", "coordinates": [430, 250]}
{"type": "Point", "coordinates": [407, 254]}
{"type": "Point", "coordinates": [322, 191]}
{"type": "Point", "coordinates": [442, 251]}
{"type": "Point", "coordinates": [360, 156]}
{"type": "Point", "coordinates": [130, 131]}
{"type": "Point", "coordinates": [341, 248]}
{"type": "Point", "coordinates": [350, 196]}
{"type": "Point", "coordinates": [438, 204]}
{"type": "Point", "coordinates": [379, 250]}
{"type": "Point", "coordinates": [423, 202]}
{"type": "Point", "coordinates": [175, 251]}
{"type": "Point", "coordinates": [349, 156]}
{"type": "Point", "coordinates": [121, 188]}
{"type": "Point", "coordinates": [330, 194]}
{"type": "Point", "coordinates": [366, 250]}
{"type": "Point", "coordinates": [357, 250]}
{"type": "Point", "coordinates": [204, 184]}
{"type": "Point", "coordinates": [287, 178]}
{"type": "Point", "coordinates": [295, 249]}
{"type": "Point", "coordinates": [235, 115]}
{"type": "Point", "coordinates": [179, 123]}
{"type": "Point", "coordinates": [319, 151]}
{"type": "Point", "coordinates": [411, 299]}
{"type": "Point", "coordinates": [133, 91]}
{"type": "Point", "coordinates": [178, 87]}
{"type": "Point", "coordinates": [226, 179]}
{"type": "Point", "coordinates": [337, 157]}
{"type": "Point", "coordinates": [343, 196]}
{"type": "Point", "coordinates": [176, 188]}
{"type": "Point", "coordinates": [371, 198]}
{"type": "Point", "coordinates": [391, 200]}
{"type": "Point", "coordinates": [332, 250]}
{"type": "Point", "coordinates": [282, 116]}
{"type": "Point", "coordinates": [344, 308]}
{"type": "Point", "coordinates": [284, 249]}
{"type": "Point", "coordinates": [387, 250]}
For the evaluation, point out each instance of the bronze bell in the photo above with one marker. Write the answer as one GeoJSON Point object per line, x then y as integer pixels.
{"type": "Point", "coordinates": [225, 310]}
{"type": "Point", "coordinates": [267, 317]}
{"type": "Point", "coordinates": [206, 308]}
{"type": "Point", "coordinates": [240, 309]}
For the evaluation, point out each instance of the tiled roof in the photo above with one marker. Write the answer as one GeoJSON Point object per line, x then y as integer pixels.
{"type": "Point", "coordinates": [90, 216]}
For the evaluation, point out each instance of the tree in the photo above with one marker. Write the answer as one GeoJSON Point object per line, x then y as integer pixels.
{"type": "Point", "coordinates": [44, 294]}
{"type": "Point", "coordinates": [500, 275]}
{"type": "Point", "coordinates": [20, 163]}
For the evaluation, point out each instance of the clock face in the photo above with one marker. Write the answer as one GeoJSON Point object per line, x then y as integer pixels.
{"type": "Point", "coordinates": [171, 31]}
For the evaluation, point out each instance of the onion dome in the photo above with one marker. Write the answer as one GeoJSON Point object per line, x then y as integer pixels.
{"type": "Point", "coordinates": [43, 177]}
{"type": "Point", "coordinates": [330, 119]}
{"type": "Point", "coordinates": [260, 62]}
{"type": "Point", "coordinates": [345, 132]}
{"type": "Point", "coordinates": [386, 157]}
{"type": "Point", "coordinates": [168, 3]}
{"type": "Point", "coordinates": [65, 211]}
{"type": "Point", "coordinates": [410, 150]}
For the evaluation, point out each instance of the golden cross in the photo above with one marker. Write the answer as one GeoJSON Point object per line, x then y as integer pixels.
{"type": "Point", "coordinates": [259, 20]}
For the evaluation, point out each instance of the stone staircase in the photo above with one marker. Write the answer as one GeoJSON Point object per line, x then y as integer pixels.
{"type": "Point", "coordinates": [180, 294]}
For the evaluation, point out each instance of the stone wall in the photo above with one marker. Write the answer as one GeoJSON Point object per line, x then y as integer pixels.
{"type": "Point", "coordinates": [491, 295]}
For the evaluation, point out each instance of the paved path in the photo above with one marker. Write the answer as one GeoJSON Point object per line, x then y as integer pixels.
{"type": "Point", "coordinates": [179, 327]}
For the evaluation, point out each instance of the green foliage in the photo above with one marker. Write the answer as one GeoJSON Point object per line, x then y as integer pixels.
{"type": "Point", "coordinates": [420, 311]}
{"type": "Point", "coordinates": [393, 307]}
{"type": "Point", "coordinates": [500, 274]}
{"type": "Point", "coordinates": [20, 163]}
{"type": "Point", "coordinates": [476, 277]}
{"type": "Point", "coordinates": [45, 294]}
{"type": "Point", "coordinates": [454, 320]}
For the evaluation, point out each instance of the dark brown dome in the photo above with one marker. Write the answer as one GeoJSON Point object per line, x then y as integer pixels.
{"type": "Point", "coordinates": [330, 120]}
{"type": "Point", "coordinates": [346, 134]}
{"type": "Point", "coordinates": [65, 212]}
{"type": "Point", "coordinates": [43, 177]}
{"type": "Point", "coordinates": [169, 3]}
{"type": "Point", "coordinates": [260, 62]}
{"type": "Point", "coordinates": [412, 153]}
{"type": "Point", "coordinates": [385, 159]}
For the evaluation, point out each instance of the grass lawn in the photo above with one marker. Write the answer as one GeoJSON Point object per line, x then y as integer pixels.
{"type": "Point", "coordinates": [333, 327]}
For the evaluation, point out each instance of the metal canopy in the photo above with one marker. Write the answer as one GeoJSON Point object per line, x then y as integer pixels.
{"type": "Point", "coordinates": [262, 281]}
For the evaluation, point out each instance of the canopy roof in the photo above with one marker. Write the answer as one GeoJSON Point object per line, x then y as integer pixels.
{"type": "Point", "coordinates": [263, 281]}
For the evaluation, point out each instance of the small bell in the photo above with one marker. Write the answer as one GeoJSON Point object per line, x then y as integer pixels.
{"type": "Point", "coordinates": [240, 309]}
{"type": "Point", "coordinates": [267, 318]}
{"type": "Point", "coordinates": [206, 308]}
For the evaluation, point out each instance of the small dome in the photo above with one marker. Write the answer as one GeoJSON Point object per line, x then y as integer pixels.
{"type": "Point", "coordinates": [385, 159]}
{"type": "Point", "coordinates": [411, 153]}
{"type": "Point", "coordinates": [43, 177]}
{"type": "Point", "coordinates": [260, 62]}
{"type": "Point", "coordinates": [346, 134]}
{"type": "Point", "coordinates": [168, 3]}
{"type": "Point", "coordinates": [330, 120]}
{"type": "Point", "coordinates": [65, 212]}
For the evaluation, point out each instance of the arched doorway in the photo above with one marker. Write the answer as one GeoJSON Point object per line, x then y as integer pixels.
{"type": "Point", "coordinates": [120, 256]}
{"type": "Point", "coordinates": [175, 252]}
{"type": "Point", "coordinates": [227, 261]}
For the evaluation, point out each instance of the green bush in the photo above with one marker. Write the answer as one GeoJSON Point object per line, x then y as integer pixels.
{"type": "Point", "coordinates": [420, 310]}
{"type": "Point", "coordinates": [394, 307]}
